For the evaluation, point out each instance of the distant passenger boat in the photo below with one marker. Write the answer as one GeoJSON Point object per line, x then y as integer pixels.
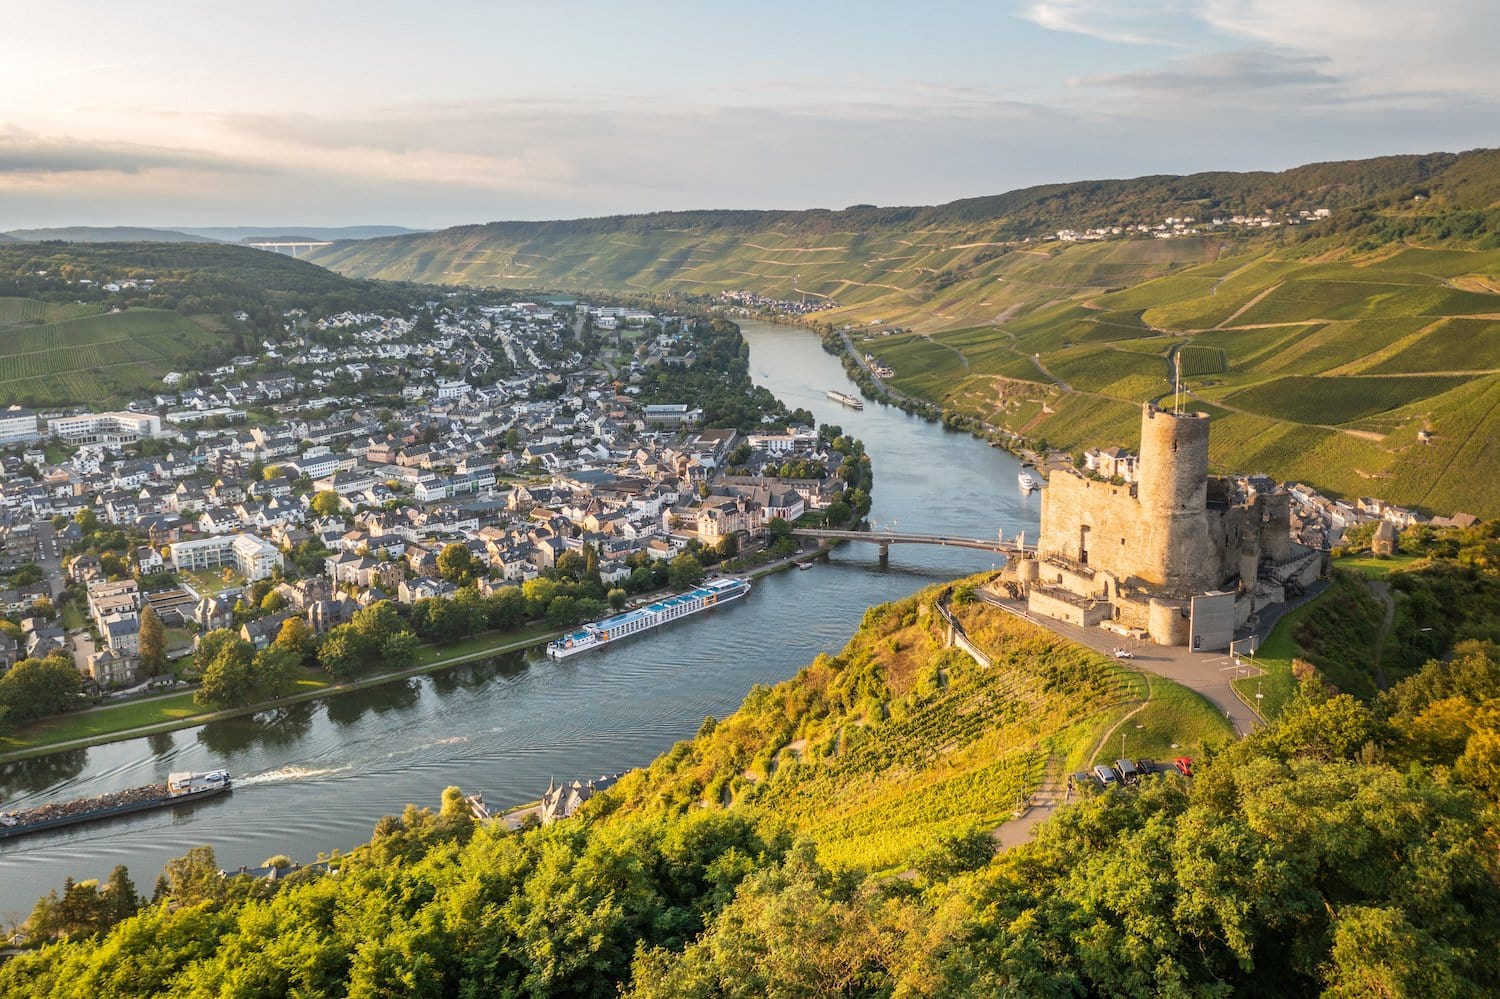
{"type": "Point", "coordinates": [1026, 482]}
{"type": "Point", "coordinates": [853, 402]}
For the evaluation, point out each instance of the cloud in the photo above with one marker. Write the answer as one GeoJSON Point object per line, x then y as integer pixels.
{"type": "Point", "coordinates": [24, 153]}
{"type": "Point", "coordinates": [1123, 22]}
{"type": "Point", "coordinates": [1417, 56]}
{"type": "Point", "coordinates": [1243, 77]}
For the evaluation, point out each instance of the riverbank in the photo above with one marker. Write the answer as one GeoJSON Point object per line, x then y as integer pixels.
{"type": "Point", "coordinates": [172, 712]}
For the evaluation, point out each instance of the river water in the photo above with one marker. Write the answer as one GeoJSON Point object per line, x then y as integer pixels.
{"type": "Point", "coordinates": [317, 776]}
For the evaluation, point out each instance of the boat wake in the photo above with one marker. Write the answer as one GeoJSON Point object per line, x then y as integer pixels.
{"type": "Point", "coordinates": [282, 775]}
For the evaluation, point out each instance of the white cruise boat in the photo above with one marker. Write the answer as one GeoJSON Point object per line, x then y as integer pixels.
{"type": "Point", "coordinates": [612, 629]}
{"type": "Point", "coordinates": [1026, 482]}
{"type": "Point", "coordinates": [853, 402]}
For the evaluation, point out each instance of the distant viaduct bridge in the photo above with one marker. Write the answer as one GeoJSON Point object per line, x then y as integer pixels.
{"type": "Point", "coordinates": [289, 247]}
{"type": "Point", "coordinates": [998, 544]}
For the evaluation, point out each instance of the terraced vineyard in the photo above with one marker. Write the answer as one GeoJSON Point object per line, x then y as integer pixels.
{"type": "Point", "coordinates": [56, 354]}
{"type": "Point", "coordinates": [898, 740]}
{"type": "Point", "coordinates": [1059, 342]}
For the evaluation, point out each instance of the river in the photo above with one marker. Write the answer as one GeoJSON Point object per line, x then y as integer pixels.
{"type": "Point", "coordinates": [317, 776]}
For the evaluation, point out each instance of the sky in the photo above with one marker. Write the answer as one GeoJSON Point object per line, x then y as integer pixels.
{"type": "Point", "coordinates": [327, 112]}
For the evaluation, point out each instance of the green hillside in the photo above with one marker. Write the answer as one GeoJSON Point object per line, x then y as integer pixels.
{"type": "Point", "coordinates": [1322, 347]}
{"type": "Point", "coordinates": [55, 354]}
{"type": "Point", "coordinates": [103, 234]}
{"type": "Point", "coordinates": [833, 837]}
{"type": "Point", "coordinates": [875, 753]}
{"type": "Point", "coordinates": [64, 342]}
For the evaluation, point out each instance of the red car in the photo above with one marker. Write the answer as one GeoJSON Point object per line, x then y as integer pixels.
{"type": "Point", "coordinates": [1184, 765]}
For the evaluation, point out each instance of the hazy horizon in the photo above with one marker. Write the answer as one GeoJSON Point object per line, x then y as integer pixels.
{"type": "Point", "coordinates": [390, 114]}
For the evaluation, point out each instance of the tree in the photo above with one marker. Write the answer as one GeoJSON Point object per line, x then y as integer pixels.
{"type": "Point", "coordinates": [563, 611]}
{"type": "Point", "coordinates": [685, 571]}
{"type": "Point", "coordinates": [325, 504]}
{"type": "Point", "coordinates": [506, 607]}
{"type": "Point", "coordinates": [399, 650]}
{"type": "Point", "coordinates": [272, 602]}
{"type": "Point", "coordinates": [273, 669]}
{"type": "Point", "coordinates": [616, 599]}
{"type": "Point", "coordinates": [229, 679]}
{"type": "Point", "coordinates": [153, 643]}
{"type": "Point", "coordinates": [33, 688]}
{"type": "Point", "coordinates": [121, 899]}
{"type": "Point", "coordinates": [88, 520]}
{"type": "Point", "coordinates": [342, 653]}
{"type": "Point", "coordinates": [193, 877]}
{"type": "Point", "coordinates": [456, 564]}
{"type": "Point", "coordinates": [297, 636]}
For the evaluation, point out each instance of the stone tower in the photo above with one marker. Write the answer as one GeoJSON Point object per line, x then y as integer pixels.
{"type": "Point", "coordinates": [1173, 496]}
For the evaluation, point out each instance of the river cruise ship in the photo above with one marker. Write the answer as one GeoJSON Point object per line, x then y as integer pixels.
{"type": "Point", "coordinates": [852, 401]}
{"type": "Point", "coordinates": [633, 622]}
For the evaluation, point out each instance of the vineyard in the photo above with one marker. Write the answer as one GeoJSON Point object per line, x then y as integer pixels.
{"type": "Point", "coordinates": [1338, 400]}
{"type": "Point", "coordinates": [51, 354]}
{"type": "Point", "coordinates": [897, 740]}
{"type": "Point", "coordinates": [1194, 361]}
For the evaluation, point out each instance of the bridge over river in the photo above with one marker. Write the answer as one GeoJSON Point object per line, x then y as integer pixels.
{"type": "Point", "coordinates": [998, 544]}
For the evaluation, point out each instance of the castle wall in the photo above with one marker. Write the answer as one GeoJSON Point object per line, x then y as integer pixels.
{"type": "Point", "coordinates": [1173, 494]}
{"type": "Point", "coordinates": [1169, 622]}
{"type": "Point", "coordinates": [1110, 515]}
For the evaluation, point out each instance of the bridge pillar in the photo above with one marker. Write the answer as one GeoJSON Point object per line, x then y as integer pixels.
{"type": "Point", "coordinates": [885, 552]}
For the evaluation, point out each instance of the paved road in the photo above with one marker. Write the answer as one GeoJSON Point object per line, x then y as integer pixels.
{"type": "Point", "coordinates": [1208, 674]}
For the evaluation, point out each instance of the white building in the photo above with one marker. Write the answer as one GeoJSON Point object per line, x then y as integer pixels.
{"type": "Point", "coordinates": [17, 426]}
{"type": "Point", "coordinates": [254, 557]}
{"type": "Point", "coordinates": [105, 428]}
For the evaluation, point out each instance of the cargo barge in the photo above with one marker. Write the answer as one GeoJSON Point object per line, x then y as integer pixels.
{"type": "Point", "coordinates": [180, 788]}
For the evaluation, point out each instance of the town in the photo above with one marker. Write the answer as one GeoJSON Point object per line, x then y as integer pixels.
{"type": "Point", "coordinates": [474, 467]}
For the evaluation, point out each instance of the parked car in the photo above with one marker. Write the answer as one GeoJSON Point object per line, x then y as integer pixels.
{"type": "Point", "coordinates": [1106, 776]}
{"type": "Point", "coordinates": [1128, 771]}
{"type": "Point", "coordinates": [1124, 654]}
{"type": "Point", "coordinates": [1080, 780]}
{"type": "Point", "coordinates": [1184, 765]}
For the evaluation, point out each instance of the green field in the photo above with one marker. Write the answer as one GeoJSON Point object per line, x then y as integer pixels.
{"type": "Point", "coordinates": [54, 354]}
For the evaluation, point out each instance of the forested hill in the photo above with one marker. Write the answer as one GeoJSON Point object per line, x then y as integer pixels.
{"type": "Point", "coordinates": [192, 278]}
{"type": "Point", "coordinates": [682, 249]}
{"type": "Point", "coordinates": [832, 838]}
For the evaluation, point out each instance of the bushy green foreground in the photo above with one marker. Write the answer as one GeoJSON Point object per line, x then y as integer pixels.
{"type": "Point", "coordinates": [1348, 850]}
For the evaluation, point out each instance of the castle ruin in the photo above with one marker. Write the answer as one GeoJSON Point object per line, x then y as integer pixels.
{"type": "Point", "coordinates": [1176, 557]}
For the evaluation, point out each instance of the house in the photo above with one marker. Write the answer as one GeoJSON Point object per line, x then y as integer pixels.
{"type": "Point", "coordinates": [109, 668]}
{"type": "Point", "coordinates": [263, 631]}
{"type": "Point", "coordinates": [562, 801]}
{"type": "Point", "coordinates": [212, 612]}
{"type": "Point", "coordinates": [122, 634]}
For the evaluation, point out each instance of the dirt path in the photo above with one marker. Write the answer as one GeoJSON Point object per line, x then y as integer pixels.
{"type": "Point", "coordinates": [1249, 305]}
{"type": "Point", "coordinates": [1039, 807]}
